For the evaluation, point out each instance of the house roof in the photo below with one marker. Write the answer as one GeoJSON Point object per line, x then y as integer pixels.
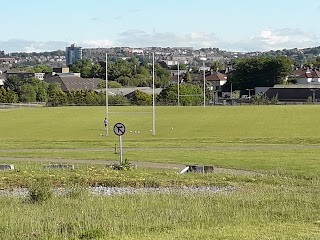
{"type": "Point", "coordinates": [14, 70]}
{"type": "Point", "coordinates": [295, 86]}
{"type": "Point", "coordinates": [210, 76]}
{"type": "Point", "coordinates": [305, 73]}
{"type": "Point", "coordinates": [126, 91]}
{"type": "Point", "coordinates": [70, 82]}
{"type": "Point", "coordinates": [175, 78]}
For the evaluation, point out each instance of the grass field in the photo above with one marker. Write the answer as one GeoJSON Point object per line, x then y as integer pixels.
{"type": "Point", "coordinates": [248, 137]}
{"type": "Point", "coordinates": [281, 143]}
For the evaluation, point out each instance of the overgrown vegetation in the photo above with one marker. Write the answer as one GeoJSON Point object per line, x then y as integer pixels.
{"type": "Point", "coordinates": [39, 190]}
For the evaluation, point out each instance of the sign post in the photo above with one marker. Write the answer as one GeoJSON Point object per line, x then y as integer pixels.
{"type": "Point", "coordinates": [119, 129]}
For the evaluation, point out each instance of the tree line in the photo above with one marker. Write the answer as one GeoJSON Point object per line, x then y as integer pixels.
{"type": "Point", "coordinates": [128, 73]}
{"type": "Point", "coordinates": [34, 90]}
{"type": "Point", "coordinates": [248, 73]}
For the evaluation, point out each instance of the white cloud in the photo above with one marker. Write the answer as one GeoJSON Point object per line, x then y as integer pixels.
{"type": "Point", "coordinates": [265, 40]}
{"type": "Point", "coordinates": [103, 43]}
{"type": "Point", "coordinates": [276, 40]}
{"type": "Point", "coordinates": [21, 45]}
{"type": "Point", "coordinates": [138, 38]}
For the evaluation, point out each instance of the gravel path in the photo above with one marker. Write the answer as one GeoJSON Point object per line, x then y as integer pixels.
{"type": "Point", "coordinates": [23, 192]}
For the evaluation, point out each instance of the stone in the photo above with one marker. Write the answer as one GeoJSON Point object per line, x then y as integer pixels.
{"type": "Point", "coordinates": [6, 167]}
{"type": "Point", "coordinates": [62, 166]}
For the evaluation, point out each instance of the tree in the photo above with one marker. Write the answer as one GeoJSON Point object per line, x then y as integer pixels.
{"type": "Point", "coordinates": [140, 98]}
{"type": "Point", "coordinates": [162, 76]}
{"type": "Point", "coordinates": [84, 66]}
{"type": "Point", "coordinates": [42, 91]}
{"type": "Point", "coordinates": [216, 65]}
{"type": "Point", "coordinates": [118, 99]}
{"type": "Point", "coordinates": [55, 95]}
{"type": "Point", "coordinates": [260, 72]}
{"type": "Point", "coordinates": [188, 77]}
{"type": "Point", "coordinates": [13, 83]}
{"type": "Point", "coordinates": [169, 95]}
{"type": "Point", "coordinates": [27, 93]}
{"type": "Point", "coordinates": [7, 96]}
{"type": "Point", "coordinates": [42, 68]}
{"type": "Point", "coordinates": [143, 71]}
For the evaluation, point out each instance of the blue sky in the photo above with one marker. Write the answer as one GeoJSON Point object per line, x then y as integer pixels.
{"type": "Point", "coordinates": [234, 25]}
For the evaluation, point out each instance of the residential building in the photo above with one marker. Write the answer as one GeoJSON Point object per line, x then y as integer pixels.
{"type": "Point", "coordinates": [39, 76]}
{"type": "Point", "coordinates": [17, 73]}
{"type": "Point", "coordinates": [60, 70]}
{"type": "Point", "coordinates": [306, 76]}
{"type": "Point", "coordinates": [213, 79]}
{"type": "Point", "coordinates": [73, 54]}
{"type": "Point", "coordinates": [72, 82]}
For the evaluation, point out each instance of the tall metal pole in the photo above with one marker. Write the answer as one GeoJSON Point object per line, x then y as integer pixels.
{"type": "Point", "coordinates": [204, 85]}
{"type": "Point", "coordinates": [107, 103]}
{"type": "Point", "coordinates": [153, 100]}
{"type": "Point", "coordinates": [231, 95]}
{"type": "Point", "coordinates": [178, 84]}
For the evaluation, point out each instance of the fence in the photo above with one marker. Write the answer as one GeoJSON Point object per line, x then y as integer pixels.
{"type": "Point", "coordinates": [20, 105]}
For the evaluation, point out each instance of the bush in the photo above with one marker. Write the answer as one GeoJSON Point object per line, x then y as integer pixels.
{"type": "Point", "coordinates": [39, 191]}
{"type": "Point", "coordinates": [114, 84]}
{"type": "Point", "coordinates": [126, 165]}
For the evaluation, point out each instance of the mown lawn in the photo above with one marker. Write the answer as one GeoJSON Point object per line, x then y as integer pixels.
{"type": "Point", "coordinates": [246, 137]}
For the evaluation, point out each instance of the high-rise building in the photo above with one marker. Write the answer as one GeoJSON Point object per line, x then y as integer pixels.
{"type": "Point", "coordinates": [73, 54]}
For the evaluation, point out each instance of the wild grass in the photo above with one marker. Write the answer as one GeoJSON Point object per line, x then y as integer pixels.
{"type": "Point", "coordinates": [271, 213]}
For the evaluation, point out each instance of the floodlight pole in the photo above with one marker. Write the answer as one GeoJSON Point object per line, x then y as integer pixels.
{"type": "Point", "coordinates": [107, 103]}
{"type": "Point", "coordinates": [153, 100]}
{"type": "Point", "coordinates": [178, 84]}
{"type": "Point", "coordinates": [204, 85]}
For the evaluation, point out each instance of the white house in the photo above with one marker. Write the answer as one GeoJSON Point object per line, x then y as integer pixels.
{"type": "Point", "coordinates": [306, 76]}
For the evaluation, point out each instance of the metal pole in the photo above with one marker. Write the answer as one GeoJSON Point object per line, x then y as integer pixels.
{"type": "Point", "coordinates": [120, 152]}
{"type": "Point", "coordinates": [153, 100]}
{"type": "Point", "coordinates": [107, 103]}
{"type": "Point", "coordinates": [204, 85]}
{"type": "Point", "coordinates": [231, 95]}
{"type": "Point", "coordinates": [178, 84]}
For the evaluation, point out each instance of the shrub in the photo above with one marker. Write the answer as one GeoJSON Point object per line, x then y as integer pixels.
{"type": "Point", "coordinates": [39, 191]}
{"type": "Point", "coordinates": [126, 165]}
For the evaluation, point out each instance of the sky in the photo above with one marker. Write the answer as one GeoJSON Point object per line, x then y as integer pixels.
{"type": "Point", "coordinates": [233, 25]}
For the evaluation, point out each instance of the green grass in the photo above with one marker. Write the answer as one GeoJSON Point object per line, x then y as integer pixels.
{"type": "Point", "coordinates": [280, 142]}
{"type": "Point", "coordinates": [276, 213]}
{"type": "Point", "coordinates": [55, 132]}
{"type": "Point", "coordinates": [81, 126]}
